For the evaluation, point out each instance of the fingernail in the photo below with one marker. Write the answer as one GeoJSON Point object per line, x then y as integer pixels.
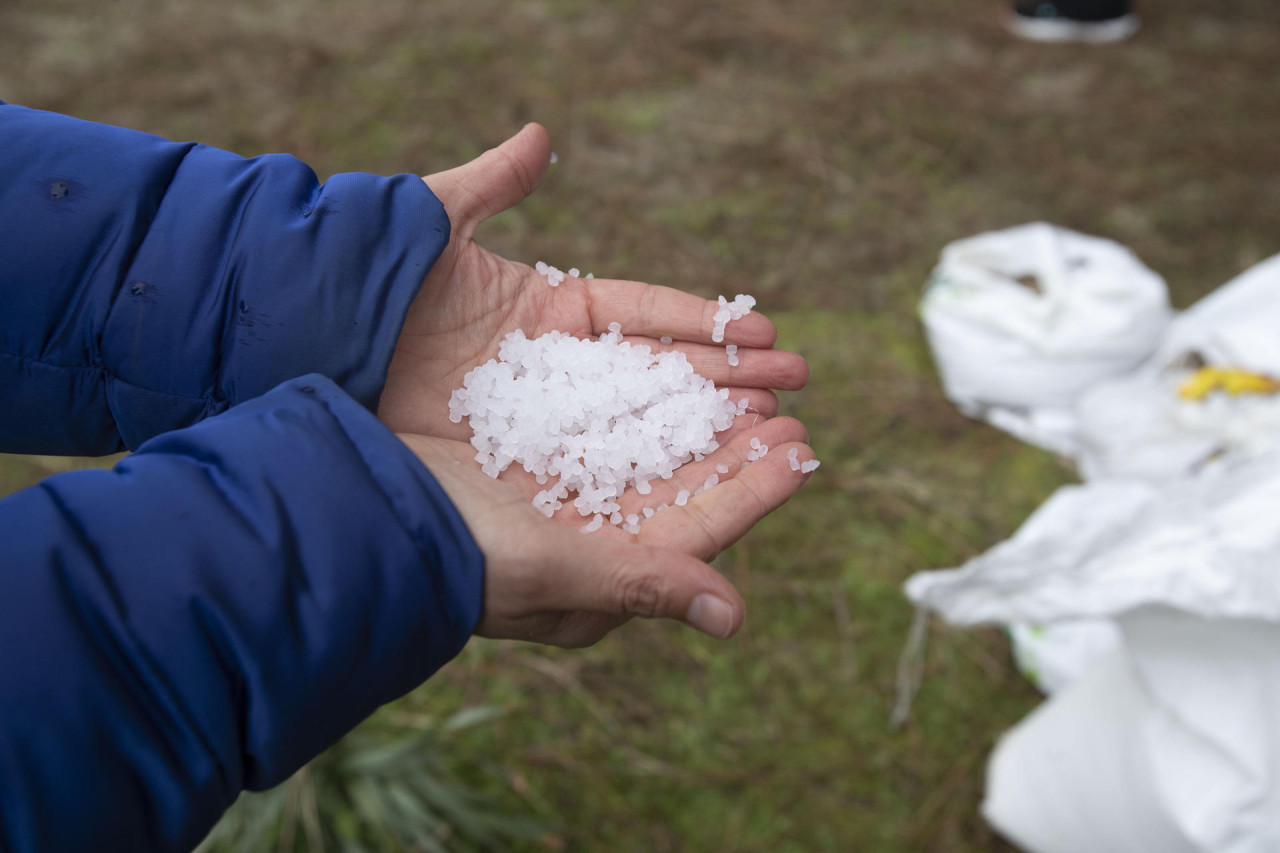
{"type": "Point", "coordinates": [711, 615]}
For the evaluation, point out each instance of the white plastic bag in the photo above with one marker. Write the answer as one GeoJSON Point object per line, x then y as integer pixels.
{"type": "Point", "coordinates": [1022, 321]}
{"type": "Point", "coordinates": [1175, 737]}
{"type": "Point", "coordinates": [1139, 426]}
{"type": "Point", "coordinates": [1147, 601]}
{"type": "Point", "coordinates": [1169, 744]}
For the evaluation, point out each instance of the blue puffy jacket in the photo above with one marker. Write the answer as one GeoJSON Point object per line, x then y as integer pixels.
{"type": "Point", "coordinates": [271, 563]}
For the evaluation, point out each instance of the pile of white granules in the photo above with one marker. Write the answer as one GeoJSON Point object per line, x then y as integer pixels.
{"type": "Point", "coordinates": [600, 415]}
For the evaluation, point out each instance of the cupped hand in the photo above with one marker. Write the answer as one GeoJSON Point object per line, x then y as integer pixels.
{"type": "Point", "coordinates": [472, 298]}
{"type": "Point", "coordinates": [546, 581]}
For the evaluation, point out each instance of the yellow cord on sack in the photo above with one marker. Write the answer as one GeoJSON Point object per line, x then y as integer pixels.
{"type": "Point", "coordinates": [1231, 381]}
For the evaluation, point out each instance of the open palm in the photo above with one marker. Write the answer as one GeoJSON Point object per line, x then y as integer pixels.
{"type": "Point", "coordinates": [544, 580]}
{"type": "Point", "coordinates": [472, 298]}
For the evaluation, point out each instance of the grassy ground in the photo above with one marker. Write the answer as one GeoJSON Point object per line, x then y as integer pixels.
{"type": "Point", "coordinates": [817, 154]}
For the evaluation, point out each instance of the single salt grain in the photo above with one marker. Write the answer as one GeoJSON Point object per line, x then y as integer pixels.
{"type": "Point", "coordinates": [648, 512]}
{"type": "Point", "coordinates": [573, 272]}
{"type": "Point", "coordinates": [682, 497]}
{"type": "Point", "coordinates": [722, 469]}
{"type": "Point", "coordinates": [554, 158]}
{"type": "Point", "coordinates": [596, 523]}
{"type": "Point", "coordinates": [633, 519]}
{"type": "Point", "coordinates": [755, 442]}
{"type": "Point", "coordinates": [643, 487]}
{"type": "Point", "coordinates": [589, 276]}
{"type": "Point", "coordinates": [665, 340]}
{"type": "Point", "coordinates": [810, 466]}
{"type": "Point", "coordinates": [616, 328]}
{"type": "Point", "coordinates": [616, 518]}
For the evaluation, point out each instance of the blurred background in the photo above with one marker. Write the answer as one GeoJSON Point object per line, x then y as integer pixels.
{"type": "Point", "coordinates": [817, 155]}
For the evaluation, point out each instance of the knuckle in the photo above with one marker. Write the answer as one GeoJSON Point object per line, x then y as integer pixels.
{"type": "Point", "coordinates": [710, 544]}
{"type": "Point", "coordinates": [641, 594]}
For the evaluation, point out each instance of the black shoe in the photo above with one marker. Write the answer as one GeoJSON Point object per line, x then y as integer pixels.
{"type": "Point", "coordinates": [1092, 21]}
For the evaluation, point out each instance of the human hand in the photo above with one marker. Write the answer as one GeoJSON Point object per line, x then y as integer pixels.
{"type": "Point", "coordinates": [472, 298]}
{"type": "Point", "coordinates": [547, 582]}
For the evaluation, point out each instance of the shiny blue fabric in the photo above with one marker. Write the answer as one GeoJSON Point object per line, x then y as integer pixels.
{"type": "Point", "coordinates": [146, 284]}
{"type": "Point", "coordinates": [270, 565]}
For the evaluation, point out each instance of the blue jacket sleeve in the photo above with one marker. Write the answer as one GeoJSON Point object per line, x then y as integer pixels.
{"type": "Point", "coordinates": [146, 284]}
{"type": "Point", "coordinates": [212, 613]}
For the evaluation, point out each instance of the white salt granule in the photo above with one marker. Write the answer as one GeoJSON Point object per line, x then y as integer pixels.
{"type": "Point", "coordinates": [621, 415]}
{"type": "Point", "coordinates": [755, 443]}
{"type": "Point", "coordinates": [810, 466]}
{"type": "Point", "coordinates": [791, 458]}
{"type": "Point", "coordinates": [554, 158]}
{"type": "Point", "coordinates": [735, 310]}
{"type": "Point", "coordinates": [594, 525]}
{"type": "Point", "coordinates": [665, 340]}
{"type": "Point", "coordinates": [588, 277]}
{"type": "Point", "coordinates": [573, 272]}
{"type": "Point", "coordinates": [682, 497]}
{"type": "Point", "coordinates": [722, 469]}
{"type": "Point", "coordinates": [732, 352]}
{"type": "Point", "coordinates": [711, 481]}
{"type": "Point", "coordinates": [648, 512]}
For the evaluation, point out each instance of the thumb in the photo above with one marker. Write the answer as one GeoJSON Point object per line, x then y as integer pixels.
{"type": "Point", "coordinates": [498, 179]}
{"type": "Point", "coordinates": [628, 579]}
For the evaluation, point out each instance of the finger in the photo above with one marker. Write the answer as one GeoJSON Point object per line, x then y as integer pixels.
{"type": "Point", "coordinates": [760, 401]}
{"type": "Point", "coordinates": [725, 463]}
{"type": "Point", "coordinates": [756, 368]}
{"type": "Point", "coordinates": [715, 519]}
{"type": "Point", "coordinates": [604, 575]}
{"type": "Point", "coordinates": [649, 309]}
{"type": "Point", "coordinates": [498, 179]}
